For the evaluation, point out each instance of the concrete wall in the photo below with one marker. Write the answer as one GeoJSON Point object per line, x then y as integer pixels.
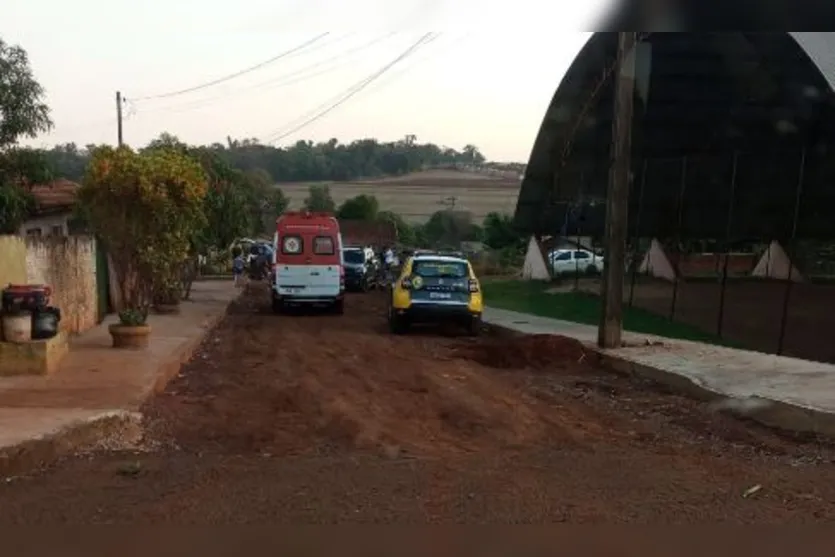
{"type": "Point", "coordinates": [68, 265]}
{"type": "Point", "coordinates": [12, 260]}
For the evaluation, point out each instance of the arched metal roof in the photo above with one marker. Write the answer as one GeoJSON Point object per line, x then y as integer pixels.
{"type": "Point", "coordinates": [820, 48]}
{"type": "Point", "coordinates": [714, 92]}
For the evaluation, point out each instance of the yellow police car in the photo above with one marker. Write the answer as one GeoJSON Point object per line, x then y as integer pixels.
{"type": "Point", "coordinates": [435, 288]}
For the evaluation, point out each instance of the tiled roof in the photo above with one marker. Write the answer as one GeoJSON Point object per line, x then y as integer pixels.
{"type": "Point", "coordinates": [58, 196]}
{"type": "Point", "coordinates": [364, 233]}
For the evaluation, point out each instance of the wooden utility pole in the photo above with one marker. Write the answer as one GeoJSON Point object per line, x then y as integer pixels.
{"type": "Point", "coordinates": [119, 116]}
{"type": "Point", "coordinates": [610, 331]}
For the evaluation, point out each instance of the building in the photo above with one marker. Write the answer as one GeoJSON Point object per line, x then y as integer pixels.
{"type": "Point", "coordinates": [364, 233]}
{"type": "Point", "coordinates": [53, 212]}
{"type": "Point", "coordinates": [726, 127]}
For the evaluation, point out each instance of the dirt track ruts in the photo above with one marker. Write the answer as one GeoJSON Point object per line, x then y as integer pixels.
{"type": "Point", "coordinates": [321, 419]}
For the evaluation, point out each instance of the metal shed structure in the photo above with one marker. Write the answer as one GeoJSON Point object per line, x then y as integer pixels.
{"type": "Point", "coordinates": [744, 108]}
{"type": "Point", "coordinates": [733, 180]}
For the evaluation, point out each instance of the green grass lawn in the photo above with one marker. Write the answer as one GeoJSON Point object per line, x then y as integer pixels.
{"type": "Point", "coordinates": [531, 297]}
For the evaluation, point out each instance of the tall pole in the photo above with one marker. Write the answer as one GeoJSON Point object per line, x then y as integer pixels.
{"type": "Point", "coordinates": [792, 253]}
{"type": "Point", "coordinates": [119, 116]}
{"type": "Point", "coordinates": [610, 331]}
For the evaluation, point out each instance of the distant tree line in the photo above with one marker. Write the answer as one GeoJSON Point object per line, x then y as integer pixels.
{"type": "Point", "coordinates": [305, 161]}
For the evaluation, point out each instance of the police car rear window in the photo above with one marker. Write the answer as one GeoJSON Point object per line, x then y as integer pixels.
{"type": "Point", "coordinates": [445, 269]}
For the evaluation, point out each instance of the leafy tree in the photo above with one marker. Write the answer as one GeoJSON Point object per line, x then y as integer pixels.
{"type": "Point", "coordinates": [19, 170]}
{"type": "Point", "coordinates": [319, 199]}
{"type": "Point", "coordinates": [167, 141]}
{"type": "Point", "coordinates": [310, 162]}
{"type": "Point", "coordinates": [472, 155]}
{"type": "Point", "coordinates": [23, 113]}
{"type": "Point", "coordinates": [275, 206]}
{"type": "Point", "coordinates": [146, 208]}
{"type": "Point", "coordinates": [227, 204]}
{"type": "Point", "coordinates": [449, 228]}
{"type": "Point", "coordinates": [406, 234]}
{"type": "Point", "coordinates": [362, 207]}
{"type": "Point", "coordinates": [238, 203]}
{"type": "Point", "coordinates": [501, 232]}
{"type": "Point", "coordinates": [22, 108]}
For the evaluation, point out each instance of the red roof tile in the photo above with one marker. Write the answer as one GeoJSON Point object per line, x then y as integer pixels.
{"type": "Point", "coordinates": [56, 196]}
{"type": "Point", "coordinates": [363, 233]}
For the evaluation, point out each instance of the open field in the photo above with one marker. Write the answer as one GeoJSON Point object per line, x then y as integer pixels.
{"type": "Point", "coordinates": [752, 313]}
{"type": "Point", "coordinates": [321, 419]}
{"type": "Point", "coordinates": [416, 196]}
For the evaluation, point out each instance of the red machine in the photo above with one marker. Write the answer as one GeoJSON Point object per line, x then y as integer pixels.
{"type": "Point", "coordinates": [25, 297]}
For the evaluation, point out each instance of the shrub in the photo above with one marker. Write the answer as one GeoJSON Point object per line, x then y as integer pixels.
{"type": "Point", "coordinates": [146, 208]}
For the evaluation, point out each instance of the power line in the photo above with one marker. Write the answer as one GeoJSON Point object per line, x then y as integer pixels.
{"type": "Point", "coordinates": [356, 88]}
{"type": "Point", "coordinates": [238, 73]}
{"type": "Point", "coordinates": [291, 78]}
{"type": "Point", "coordinates": [393, 76]}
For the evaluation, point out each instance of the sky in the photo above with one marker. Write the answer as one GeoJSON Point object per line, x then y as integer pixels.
{"type": "Point", "coordinates": [485, 78]}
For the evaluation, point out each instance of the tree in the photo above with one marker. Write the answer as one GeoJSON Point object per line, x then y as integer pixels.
{"type": "Point", "coordinates": [406, 234]}
{"type": "Point", "coordinates": [501, 232]}
{"type": "Point", "coordinates": [227, 204]}
{"type": "Point", "coordinates": [310, 162]}
{"type": "Point", "coordinates": [274, 207]}
{"type": "Point", "coordinates": [20, 168]}
{"type": "Point", "coordinates": [472, 155]}
{"type": "Point", "coordinates": [362, 207]}
{"type": "Point", "coordinates": [319, 199]}
{"type": "Point", "coordinates": [23, 112]}
{"type": "Point", "coordinates": [449, 228]}
{"type": "Point", "coordinates": [146, 208]}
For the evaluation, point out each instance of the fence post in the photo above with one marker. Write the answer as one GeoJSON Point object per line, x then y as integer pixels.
{"type": "Point", "coordinates": [678, 235]}
{"type": "Point", "coordinates": [792, 241]}
{"type": "Point", "coordinates": [721, 317]}
{"type": "Point", "coordinates": [637, 235]}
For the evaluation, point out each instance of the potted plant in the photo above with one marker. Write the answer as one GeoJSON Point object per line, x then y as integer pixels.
{"type": "Point", "coordinates": [144, 207]}
{"type": "Point", "coordinates": [132, 330]}
{"type": "Point", "coordinates": [167, 297]}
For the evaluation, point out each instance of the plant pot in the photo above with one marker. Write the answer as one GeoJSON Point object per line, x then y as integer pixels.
{"type": "Point", "coordinates": [17, 327]}
{"type": "Point", "coordinates": [130, 336]}
{"type": "Point", "coordinates": [167, 309]}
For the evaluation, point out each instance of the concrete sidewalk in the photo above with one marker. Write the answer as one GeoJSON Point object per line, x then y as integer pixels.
{"type": "Point", "coordinates": [778, 391]}
{"type": "Point", "coordinates": [95, 395]}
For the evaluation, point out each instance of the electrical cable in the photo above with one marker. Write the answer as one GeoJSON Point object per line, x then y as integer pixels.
{"type": "Point", "coordinates": [250, 69]}
{"type": "Point", "coordinates": [291, 78]}
{"type": "Point", "coordinates": [353, 90]}
{"type": "Point", "coordinates": [393, 76]}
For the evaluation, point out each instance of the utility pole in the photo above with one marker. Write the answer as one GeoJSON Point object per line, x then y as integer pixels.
{"type": "Point", "coordinates": [119, 115]}
{"type": "Point", "coordinates": [610, 331]}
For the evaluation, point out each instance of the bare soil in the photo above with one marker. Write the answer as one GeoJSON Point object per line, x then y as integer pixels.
{"type": "Point", "coordinates": [322, 419]}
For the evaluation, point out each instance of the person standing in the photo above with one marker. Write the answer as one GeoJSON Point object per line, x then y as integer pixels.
{"type": "Point", "coordinates": [388, 262]}
{"type": "Point", "coordinates": [238, 268]}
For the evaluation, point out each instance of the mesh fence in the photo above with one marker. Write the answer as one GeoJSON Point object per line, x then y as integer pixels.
{"type": "Point", "coordinates": [738, 245]}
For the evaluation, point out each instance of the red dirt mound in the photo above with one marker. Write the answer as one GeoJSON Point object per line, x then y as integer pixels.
{"type": "Point", "coordinates": [542, 352]}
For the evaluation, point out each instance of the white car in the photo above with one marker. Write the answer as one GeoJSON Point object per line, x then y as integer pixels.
{"type": "Point", "coordinates": [571, 261]}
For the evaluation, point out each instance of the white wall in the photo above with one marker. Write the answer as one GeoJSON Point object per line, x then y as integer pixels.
{"type": "Point", "coordinates": [52, 225]}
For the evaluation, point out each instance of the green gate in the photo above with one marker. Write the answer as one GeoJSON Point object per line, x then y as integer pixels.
{"type": "Point", "coordinates": [102, 281]}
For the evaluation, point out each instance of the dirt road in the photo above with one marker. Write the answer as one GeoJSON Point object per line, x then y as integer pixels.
{"type": "Point", "coordinates": [320, 418]}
